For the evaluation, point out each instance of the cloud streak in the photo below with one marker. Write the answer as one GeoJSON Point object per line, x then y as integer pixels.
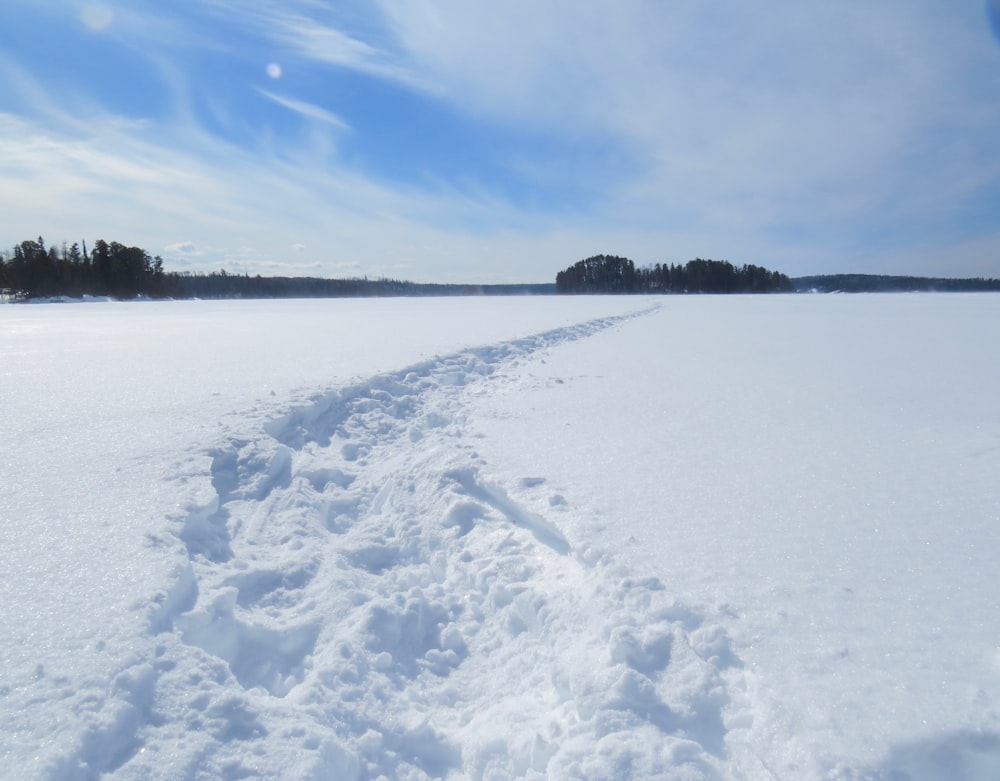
{"type": "Point", "coordinates": [305, 109]}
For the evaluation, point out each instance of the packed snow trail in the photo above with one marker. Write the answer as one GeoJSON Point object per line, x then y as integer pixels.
{"type": "Point", "coordinates": [359, 599]}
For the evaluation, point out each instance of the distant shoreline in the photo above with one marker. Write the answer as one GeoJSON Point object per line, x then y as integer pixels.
{"type": "Point", "coordinates": [827, 284]}
{"type": "Point", "coordinates": [881, 283]}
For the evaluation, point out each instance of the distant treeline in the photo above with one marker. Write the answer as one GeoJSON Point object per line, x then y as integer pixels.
{"type": "Point", "coordinates": [875, 283]}
{"type": "Point", "coordinates": [221, 284]}
{"type": "Point", "coordinates": [32, 270]}
{"type": "Point", "coordinates": [612, 274]}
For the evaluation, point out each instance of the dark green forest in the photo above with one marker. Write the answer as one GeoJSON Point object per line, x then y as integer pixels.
{"type": "Point", "coordinates": [32, 270]}
{"type": "Point", "coordinates": [612, 274]}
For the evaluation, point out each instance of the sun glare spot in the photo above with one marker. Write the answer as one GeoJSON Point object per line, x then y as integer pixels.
{"type": "Point", "coordinates": [274, 70]}
{"type": "Point", "coordinates": [97, 16]}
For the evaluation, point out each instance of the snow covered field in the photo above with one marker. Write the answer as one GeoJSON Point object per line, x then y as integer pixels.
{"type": "Point", "coordinates": [704, 537]}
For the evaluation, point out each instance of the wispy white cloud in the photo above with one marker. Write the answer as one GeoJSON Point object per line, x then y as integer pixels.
{"type": "Point", "coordinates": [305, 109]}
{"type": "Point", "coordinates": [327, 44]}
{"type": "Point", "coordinates": [28, 94]}
{"type": "Point", "coordinates": [732, 114]}
{"type": "Point", "coordinates": [182, 248]}
{"type": "Point", "coordinates": [722, 98]}
{"type": "Point", "coordinates": [309, 29]}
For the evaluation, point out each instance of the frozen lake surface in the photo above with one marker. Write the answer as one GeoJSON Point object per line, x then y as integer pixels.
{"type": "Point", "coordinates": [595, 537]}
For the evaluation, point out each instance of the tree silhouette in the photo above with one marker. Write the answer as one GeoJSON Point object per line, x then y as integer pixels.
{"type": "Point", "coordinates": [613, 274]}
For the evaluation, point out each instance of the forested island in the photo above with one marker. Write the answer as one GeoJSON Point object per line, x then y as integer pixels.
{"type": "Point", "coordinates": [613, 274]}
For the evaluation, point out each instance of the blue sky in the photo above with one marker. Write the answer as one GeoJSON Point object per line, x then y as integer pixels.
{"type": "Point", "coordinates": [466, 141]}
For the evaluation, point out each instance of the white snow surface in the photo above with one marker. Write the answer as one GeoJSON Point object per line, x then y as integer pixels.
{"type": "Point", "coordinates": [589, 538]}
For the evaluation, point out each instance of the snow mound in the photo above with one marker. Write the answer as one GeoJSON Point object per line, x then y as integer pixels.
{"type": "Point", "coordinates": [357, 597]}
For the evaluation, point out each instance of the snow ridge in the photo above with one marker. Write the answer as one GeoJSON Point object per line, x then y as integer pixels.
{"type": "Point", "coordinates": [358, 598]}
